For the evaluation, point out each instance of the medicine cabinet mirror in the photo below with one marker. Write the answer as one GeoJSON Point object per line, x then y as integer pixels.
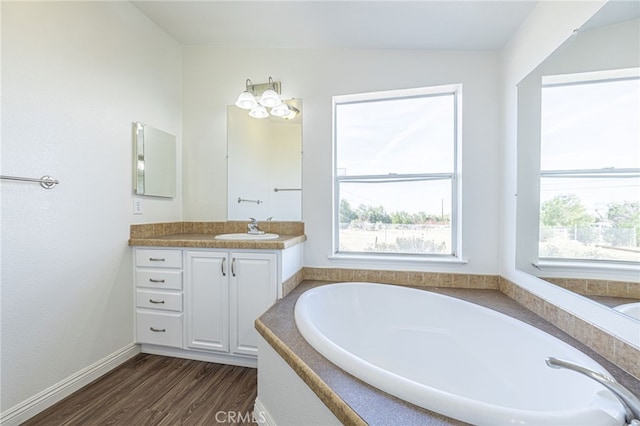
{"type": "Point", "coordinates": [154, 161]}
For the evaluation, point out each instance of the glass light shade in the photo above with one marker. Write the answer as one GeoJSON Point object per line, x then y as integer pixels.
{"type": "Point", "coordinates": [291, 114]}
{"type": "Point", "coordinates": [280, 110]}
{"type": "Point", "coordinates": [270, 99]}
{"type": "Point", "coordinates": [246, 101]}
{"type": "Point", "coordinates": [258, 111]}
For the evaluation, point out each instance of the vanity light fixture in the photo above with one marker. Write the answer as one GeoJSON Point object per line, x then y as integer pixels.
{"type": "Point", "coordinates": [258, 97]}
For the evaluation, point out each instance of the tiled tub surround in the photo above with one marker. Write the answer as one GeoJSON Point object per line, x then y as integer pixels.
{"type": "Point", "coordinates": [589, 287]}
{"type": "Point", "coordinates": [354, 402]}
{"type": "Point", "coordinates": [420, 279]}
{"type": "Point", "coordinates": [610, 347]}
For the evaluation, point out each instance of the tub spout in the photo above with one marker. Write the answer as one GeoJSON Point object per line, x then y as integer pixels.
{"type": "Point", "coordinates": [629, 401]}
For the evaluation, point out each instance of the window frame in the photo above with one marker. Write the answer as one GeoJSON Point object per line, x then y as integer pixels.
{"type": "Point", "coordinates": [454, 176]}
{"type": "Point", "coordinates": [573, 79]}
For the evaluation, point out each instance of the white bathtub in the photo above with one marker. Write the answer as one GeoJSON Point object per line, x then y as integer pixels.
{"type": "Point", "coordinates": [452, 357]}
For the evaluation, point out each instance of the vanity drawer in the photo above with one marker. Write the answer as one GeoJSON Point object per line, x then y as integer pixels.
{"type": "Point", "coordinates": [159, 328]}
{"type": "Point", "coordinates": [159, 258]}
{"type": "Point", "coordinates": [159, 279]}
{"type": "Point", "coordinates": [164, 300]}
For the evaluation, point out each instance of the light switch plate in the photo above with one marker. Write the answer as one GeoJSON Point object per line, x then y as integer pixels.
{"type": "Point", "coordinates": [137, 206]}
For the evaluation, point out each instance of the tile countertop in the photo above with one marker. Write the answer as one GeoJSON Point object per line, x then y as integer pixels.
{"type": "Point", "coordinates": [205, 240]}
{"type": "Point", "coordinates": [354, 402]}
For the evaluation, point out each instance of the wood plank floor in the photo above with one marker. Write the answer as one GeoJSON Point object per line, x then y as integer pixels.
{"type": "Point", "coordinates": [156, 390]}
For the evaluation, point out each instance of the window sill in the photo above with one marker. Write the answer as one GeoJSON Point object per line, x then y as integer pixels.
{"type": "Point", "coordinates": [399, 259]}
{"type": "Point", "coordinates": [586, 266]}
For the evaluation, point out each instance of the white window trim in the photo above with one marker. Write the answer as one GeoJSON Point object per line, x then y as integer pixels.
{"type": "Point", "coordinates": [589, 77]}
{"type": "Point", "coordinates": [456, 185]}
{"type": "Point", "coordinates": [391, 258]}
{"type": "Point", "coordinates": [573, 265]}
{"type": "Point", "coordinates": [589, 269]}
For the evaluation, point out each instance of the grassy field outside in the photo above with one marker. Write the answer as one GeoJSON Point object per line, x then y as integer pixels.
{"type": "Point", "coordinates": [589, 243]}
{"type": "Point", "coordinates": [565, 248]}
{"type": "Point", "coordinates": [436, 239]}
{"type": "Point", "coordinates": [395, 238]}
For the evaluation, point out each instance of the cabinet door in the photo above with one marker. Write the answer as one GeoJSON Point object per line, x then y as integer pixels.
{"type": "Point", "coordinates": [253, 290]}
{"type": "Point", "coordinates": [207, 300]}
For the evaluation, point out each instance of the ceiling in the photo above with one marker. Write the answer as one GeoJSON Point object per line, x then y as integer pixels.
{"type": "Point", "coordinates": [336, 24]}
{"type": "Point", "coordinates": [613, 12]}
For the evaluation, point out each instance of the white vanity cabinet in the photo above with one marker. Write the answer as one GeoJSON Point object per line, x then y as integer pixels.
{"type": "Point", "coordinates": [226, 291]}
{"type": "Point", "coordinates": [202, 303]}
{"type": "Point", "coordinates": [158, 297]}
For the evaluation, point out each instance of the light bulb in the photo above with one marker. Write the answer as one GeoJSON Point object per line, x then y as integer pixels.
{"type": "Point", "coordinates": [258, 111]}
{"type": "Point", "coordinates": [280, 110]}
{"type": "Point", "coordinates": [270, 98]}
{"type": "Point", "coordinates": [246, 101]}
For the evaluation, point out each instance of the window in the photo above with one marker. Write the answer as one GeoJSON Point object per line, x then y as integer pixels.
{"type": "Point", "coordinates": [590, 167]}
{"type": "Point", "coordinates": [395, 172]}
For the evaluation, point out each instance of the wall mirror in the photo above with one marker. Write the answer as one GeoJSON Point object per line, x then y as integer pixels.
{"type": "Point", "coordinates": [154, 161]}
{"type": "Point", "coordinates": [579, 172]}
{"type": "Point", "coordinates": [264, 163]}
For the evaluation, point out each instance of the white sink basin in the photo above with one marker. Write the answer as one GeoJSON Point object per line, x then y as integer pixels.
{"type": "Point", "coordinates": [246, 237]}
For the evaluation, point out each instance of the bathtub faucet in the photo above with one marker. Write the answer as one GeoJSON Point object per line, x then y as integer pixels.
{"type": "Point", "coordinates": [629, 401]}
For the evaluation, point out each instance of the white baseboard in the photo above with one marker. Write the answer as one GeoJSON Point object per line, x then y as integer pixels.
{"type": "Point", "coordinates": [261, 415]}
{"type": "Point", "coordinates": [43, 400]}
{"type": "Point", "coordinates": [238, 360]}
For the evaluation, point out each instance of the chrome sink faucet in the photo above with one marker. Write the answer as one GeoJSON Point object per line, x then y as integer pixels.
{"type": "Point", "coordinates": [629, 401]}
{"type": "Point", "coordinates": [253, 227]}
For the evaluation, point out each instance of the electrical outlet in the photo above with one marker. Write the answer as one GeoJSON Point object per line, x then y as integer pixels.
{"type": "Point", "coordinates": [137, 206]}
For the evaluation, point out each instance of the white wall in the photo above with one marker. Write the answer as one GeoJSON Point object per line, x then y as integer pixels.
{"type": "Point", "coordinates": [75, 75]}
{"type": "Point", "coordinates": [213, 78]}
{"type": "Point", "coordinates": [545, 29]}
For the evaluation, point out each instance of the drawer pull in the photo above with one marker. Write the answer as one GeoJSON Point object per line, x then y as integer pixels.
{"type": "Point", "coordinates": [157, 259]}
{"type": "Point", "coordinates": [156, 301]}
{"type": "Point", "coordinates": [224, 274]}
{"type": "Point", "coordinates": [153, 280]}
{"type": "Point", "coordinates": [233, 267]}
{"type": "Point", "coordinates": [158, 330]}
